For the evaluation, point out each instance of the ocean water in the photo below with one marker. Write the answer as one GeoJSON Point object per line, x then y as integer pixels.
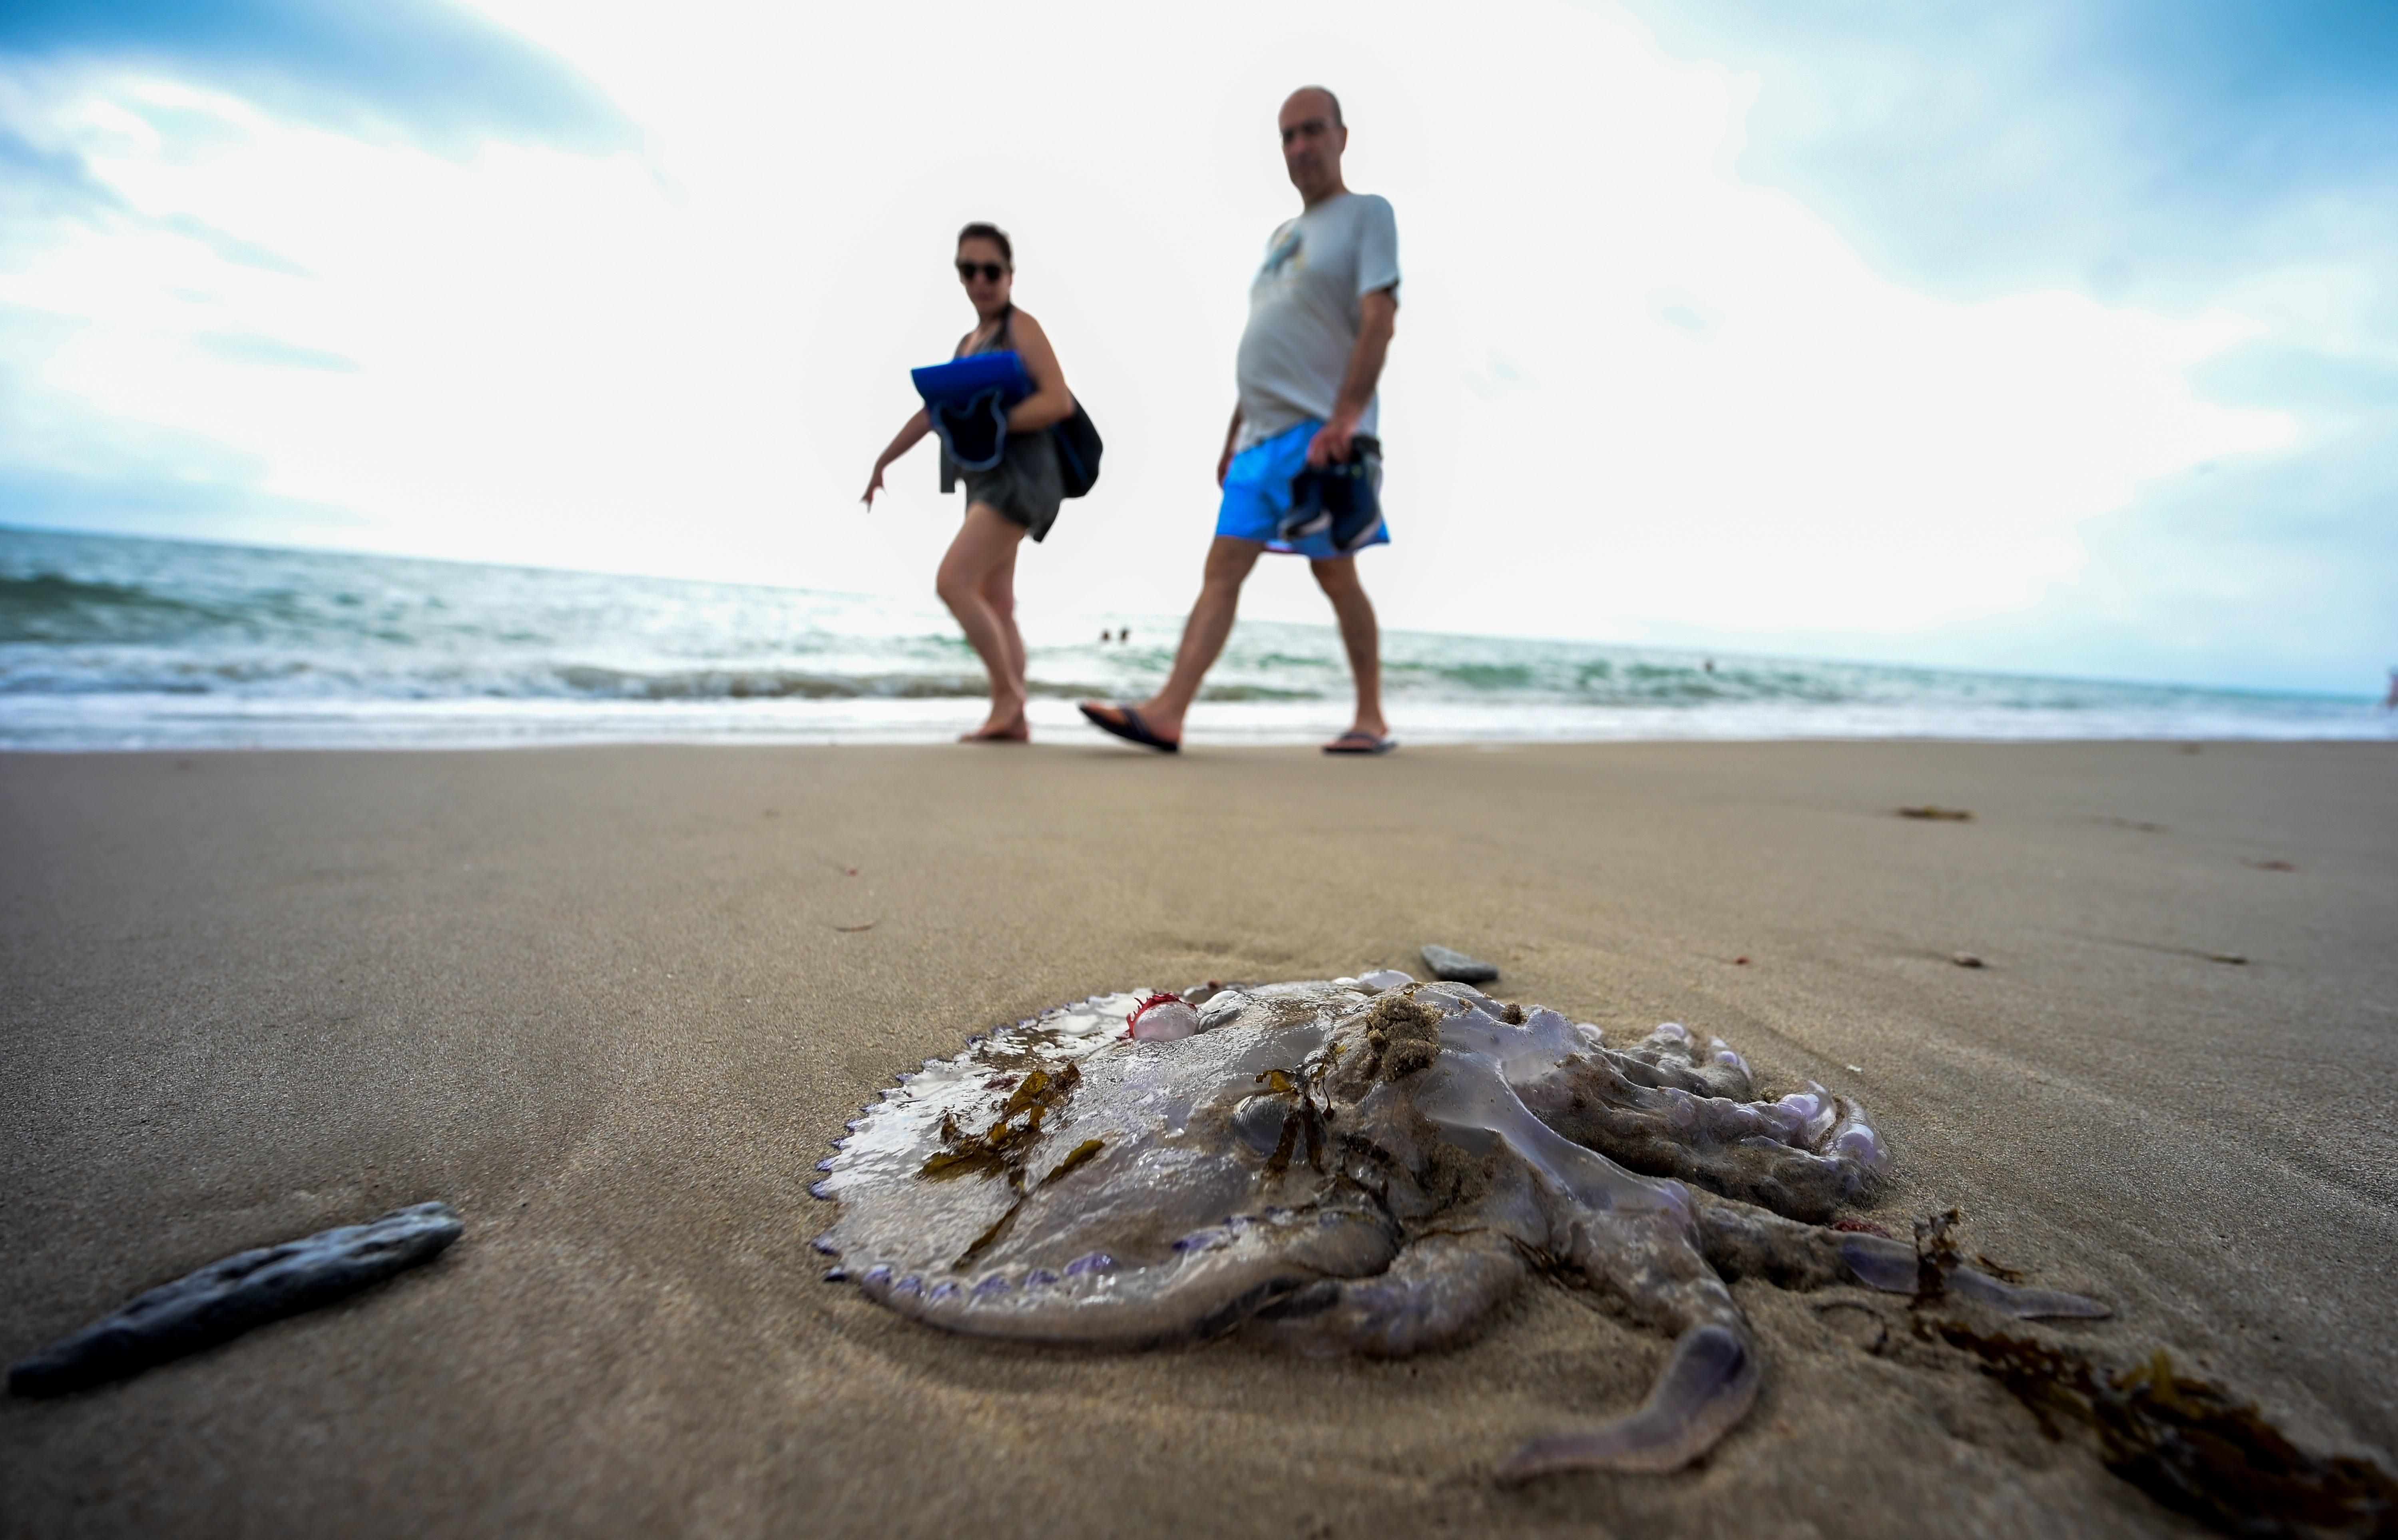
{"type": "Point", "coordinates": [108, 642]}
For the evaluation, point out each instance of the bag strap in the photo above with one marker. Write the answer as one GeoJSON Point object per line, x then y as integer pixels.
{"type": "Point", "coordinates": [1005, 334]}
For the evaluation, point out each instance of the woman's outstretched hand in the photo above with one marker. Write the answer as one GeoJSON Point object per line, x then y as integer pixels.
{"type": "Point", "coordinates": [915, 430]}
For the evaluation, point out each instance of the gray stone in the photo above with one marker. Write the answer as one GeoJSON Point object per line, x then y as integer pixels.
{"type": "Point", "coordinates": [227, 1298]}
{"type": "Point", "coordinates": [1457, 967]}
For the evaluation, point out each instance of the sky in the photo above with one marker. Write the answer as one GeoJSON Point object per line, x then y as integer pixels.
{"type": "Point", "coordinates": [2037, 336]}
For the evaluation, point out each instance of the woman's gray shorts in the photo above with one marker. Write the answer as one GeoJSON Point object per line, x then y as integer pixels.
{"type": "Point", "coordinates": [1025, 486]}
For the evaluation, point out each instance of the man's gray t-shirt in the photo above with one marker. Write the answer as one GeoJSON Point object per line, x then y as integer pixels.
{"type": "Point", "coordinates": [1304, 314]}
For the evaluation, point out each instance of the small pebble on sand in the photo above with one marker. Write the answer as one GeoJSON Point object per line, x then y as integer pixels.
{"type": "Point", "coordinates": [1966, 959]}
{"type": "Point", "coordinates": [1457, 967]}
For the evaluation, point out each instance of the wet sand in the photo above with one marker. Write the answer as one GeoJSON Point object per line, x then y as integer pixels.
{"type": "Point", "coordinates": [603, 1001]}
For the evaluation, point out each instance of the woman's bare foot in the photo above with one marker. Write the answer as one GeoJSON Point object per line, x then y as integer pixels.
{"type": "Point", "coordinates": [1011, 728]}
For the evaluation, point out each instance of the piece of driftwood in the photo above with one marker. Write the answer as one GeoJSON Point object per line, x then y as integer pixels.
{"type": "Point", "coordinates": [227, 1298]}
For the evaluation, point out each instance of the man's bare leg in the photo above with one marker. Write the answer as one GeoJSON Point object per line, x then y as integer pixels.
{"type": "Point", "coordinates": [981, 561]}
{"type": "Point", "coordinates": [1203, 635]}
{"type": "Point", "coordinates": [1360, 634]}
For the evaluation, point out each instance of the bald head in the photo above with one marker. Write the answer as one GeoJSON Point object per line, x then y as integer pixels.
{"type": "Point", "coordinates": [1311, 96]}
{"type": "Point", "coordinates": [1313, 140]}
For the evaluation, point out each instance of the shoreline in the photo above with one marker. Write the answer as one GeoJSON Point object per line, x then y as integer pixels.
{"type": "Point", "coordinates": [505, 724]}
{"type": "Point", "coordinates": [602, 999]}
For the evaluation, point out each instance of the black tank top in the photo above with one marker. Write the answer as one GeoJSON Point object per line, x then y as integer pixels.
{"type": "Point", "coordinates": [996, 342]}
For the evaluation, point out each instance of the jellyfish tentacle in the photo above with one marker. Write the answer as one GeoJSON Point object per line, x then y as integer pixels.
{"type": "Point", "coordinates": [1671, 1057]}
{"type": "Point", "coordinates": [1709, 1382]}
{"type": "Point", "coordinates": [1804, 1157]}
{"type": "Point", "coordinates": [1744, 1242]}
{"type": "Point", "coordinates": [1440, 1289]}
{"type": "Point", "coordinates": [1707, 1387]}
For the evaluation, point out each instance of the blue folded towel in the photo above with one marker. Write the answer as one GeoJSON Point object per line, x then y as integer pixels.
{"type": "Point", "coordinates": [974, 432]}
{"type": "Point", "coordinates": [960, 380]}
{"type": "Point", "coordinates": [967, 400]}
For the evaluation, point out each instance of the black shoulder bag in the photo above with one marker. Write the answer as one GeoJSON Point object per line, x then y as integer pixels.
{"type": "Point", "coordinates": [1077, 438]}
{"type": "Point", "coordinates": [1078, 451]}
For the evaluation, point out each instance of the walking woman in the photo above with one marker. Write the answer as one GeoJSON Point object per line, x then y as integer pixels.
{"type": "Point", "coordinates": [1016, 497]}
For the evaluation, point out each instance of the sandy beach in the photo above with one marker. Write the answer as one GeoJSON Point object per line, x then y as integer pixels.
{"type": "Point", "coordinates": [611, 1003]}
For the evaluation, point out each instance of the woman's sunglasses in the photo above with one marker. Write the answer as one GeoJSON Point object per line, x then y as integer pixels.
{"type": "Point", "coordinates": [991, 272]}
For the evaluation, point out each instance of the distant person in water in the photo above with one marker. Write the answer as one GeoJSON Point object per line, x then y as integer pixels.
{"type": "Point", "coordinates": [1016, 497]}
{"type": "Point", "coordinates": [1302, 468]}
{"type": "Point", "coordinates": [2390, 701]}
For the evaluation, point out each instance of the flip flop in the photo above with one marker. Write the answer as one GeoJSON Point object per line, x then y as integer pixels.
{"type": "Point", "coordinates": [1131, 729]}
{"type": "Point", "coordinates": [1358, 742]}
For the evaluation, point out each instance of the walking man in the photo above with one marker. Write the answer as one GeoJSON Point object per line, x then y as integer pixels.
{"type": "Point", "coordinates": [1301, 466]}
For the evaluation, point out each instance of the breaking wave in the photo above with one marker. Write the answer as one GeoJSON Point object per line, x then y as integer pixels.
{"type": "Point", "coordinates": [107, 641]}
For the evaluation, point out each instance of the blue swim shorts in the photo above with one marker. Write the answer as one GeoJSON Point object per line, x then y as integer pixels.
{"type": "Point", "coordinates": [1257, 495]}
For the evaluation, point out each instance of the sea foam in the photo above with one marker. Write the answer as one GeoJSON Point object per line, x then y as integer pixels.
{"type": "Point", "coordinates": [108, 641]}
